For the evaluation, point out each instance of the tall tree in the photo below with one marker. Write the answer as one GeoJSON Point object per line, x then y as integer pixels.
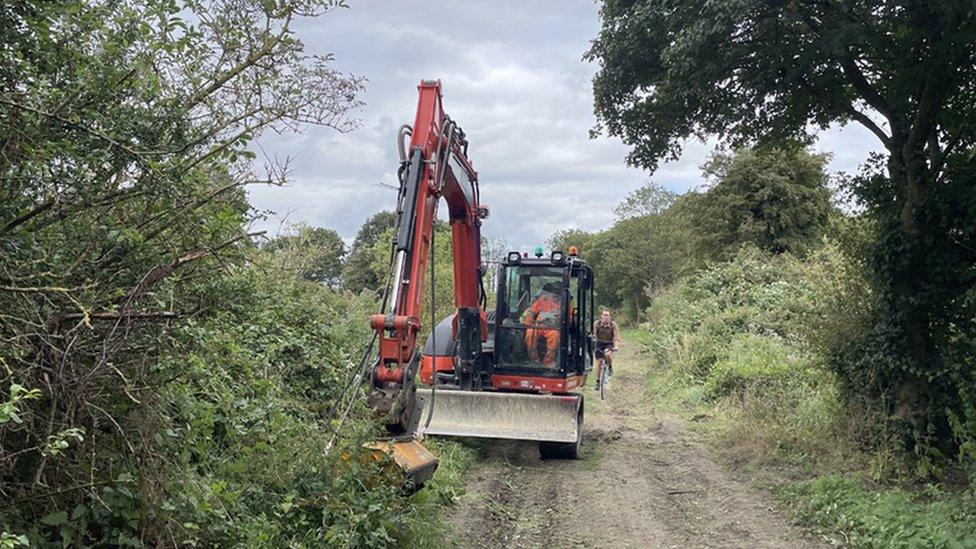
{"type": "Point", "coordinates": [316, 253]}
{"type": "Point", "coordinates": [754, 70]}
{"type": "Point", "coordinates": [563, 239]}
{"type": "Point", "coordinates": [357, 274]}
{"type": "Point", "coordinates": [646, 249]}
{"type": "Point", "coordinates": [776, 199]}
{"type": "Point", "coordinates": [637, 257]}
{"type": "Point", "coordinates": [649, 199]}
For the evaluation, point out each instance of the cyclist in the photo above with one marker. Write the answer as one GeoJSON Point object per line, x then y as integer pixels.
{"type": "Point", "coordinates": [607, 342]}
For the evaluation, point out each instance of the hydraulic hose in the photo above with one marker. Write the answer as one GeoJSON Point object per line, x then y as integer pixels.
{"type": "Point", "coordinates": [404, 131]}
{"type": "Point", "coordinates": [433, 330]}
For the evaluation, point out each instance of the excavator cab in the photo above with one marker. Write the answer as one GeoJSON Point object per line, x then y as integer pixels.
{"type": "Point", "coordinates": [541, 324]}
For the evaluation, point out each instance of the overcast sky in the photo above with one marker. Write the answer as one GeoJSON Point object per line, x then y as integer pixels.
{"type": "Point", "coordinates": [514, 80]}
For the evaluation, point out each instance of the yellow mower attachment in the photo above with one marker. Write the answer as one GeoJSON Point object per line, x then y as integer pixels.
{"type": "Point", "coordinates": [416, 463]}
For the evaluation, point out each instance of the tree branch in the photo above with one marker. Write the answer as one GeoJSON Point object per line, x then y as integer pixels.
{"type": "Point", "coordinates": [41, 289]}
{"type": "Point", "coordinates": [253, 58]}
{"type": "Point", "coordinates": [46, 205]}
{"type": "Point", "coordinates": [863, 87]}
{"type": "Point", "coordinates": [928, 104]}
{"type": "Point", "coordinates": [159, 272]}
{"type": "Point", "coordinates": [866, 121]}
{"type": "Point", "coordinates": [96, 133]}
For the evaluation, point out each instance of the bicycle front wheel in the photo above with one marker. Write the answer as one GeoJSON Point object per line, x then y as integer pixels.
{"type": "Point", "coordinates": [603, 379]}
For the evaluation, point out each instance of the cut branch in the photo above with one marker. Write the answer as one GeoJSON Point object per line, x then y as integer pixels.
{"type": "Point", "coordinates": [117, 315]}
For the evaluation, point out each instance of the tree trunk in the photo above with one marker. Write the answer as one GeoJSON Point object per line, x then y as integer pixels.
{"type": "Point", "coordinates": [912, 315]}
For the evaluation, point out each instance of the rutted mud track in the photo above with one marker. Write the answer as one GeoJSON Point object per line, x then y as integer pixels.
{"type": "Point", "coordinates": [643, 481]}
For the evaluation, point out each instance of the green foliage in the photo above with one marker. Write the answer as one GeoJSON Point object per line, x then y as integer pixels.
{"type": "Point", "coordinates": [921, 350]}
{"type": "Point", "coordinates": [358, 273]}
{"type": "Point", "coordinates": [322, 252]}
{"type": "Point", "coordinates": [9, 410]}
{"type": "Point", "coordinates": [734, 337]}
{"type": "Point", "coordinates": [846, 513]}
{"type": "Point", "coordinates": [775, 199]}
{"type": "Point", "coordinates": [233, 442]}
{"type": "Point", "coordinates": [757, 72]}
{"type": "Point", "coordinates": [753, 293]}
{"type": "Point", "coordinates": [563, 239]}
{"type": "Point", "coordinates": [636, 258]}
{"type": "Point", "coordinates": [245, 424]}
{"type": "Point", "coordinates": [650, 199]}
{"type": "Point", "coordinates": [750, 70]}
{"type": "Point", "coordinates": [59, 442]}
{"type": "Point", "coordinates": [755, 362]}
{"type": "Point", "coordinates": [179, 377]}
{"type": "Point", "coordinates": [429, 529]}
{"type": "Point", "coordinates": [112, 511]}
{"type": "Point", "coordinates": [767, 346]}
{"type": "Point", "coordinates": [644, 251]}
{"type": "Point", "coordinates": [443, 272]}
{"type": "Point", "coordinates": [9, 541]}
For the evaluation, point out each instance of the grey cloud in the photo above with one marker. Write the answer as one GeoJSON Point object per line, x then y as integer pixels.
{"type": "Point", "coordinates": [514, 80]}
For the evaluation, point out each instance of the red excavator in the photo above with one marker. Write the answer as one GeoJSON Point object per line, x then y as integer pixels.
{"type": "Point", "coordinates": [507, 372]}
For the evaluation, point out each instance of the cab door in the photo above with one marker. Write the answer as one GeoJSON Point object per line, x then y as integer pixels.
{"type": "Point", "coordinates": [579, 348]}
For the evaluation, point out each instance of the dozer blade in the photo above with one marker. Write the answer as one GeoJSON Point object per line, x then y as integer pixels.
{"type": "Point", "coordinates": [488, 414]}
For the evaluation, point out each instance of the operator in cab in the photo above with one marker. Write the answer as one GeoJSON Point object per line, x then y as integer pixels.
{"type": "Point", "coordinates": [541, 321]}
{"type": "Point", "coordinates": [607, 342]}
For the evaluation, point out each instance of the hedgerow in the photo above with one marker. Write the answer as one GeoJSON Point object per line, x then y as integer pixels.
{"type": "Point", "coordinates": [756, 343]}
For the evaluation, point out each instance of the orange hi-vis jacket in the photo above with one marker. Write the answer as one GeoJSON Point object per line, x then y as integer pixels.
{"type": "Point", "coordinates": [542, 322]}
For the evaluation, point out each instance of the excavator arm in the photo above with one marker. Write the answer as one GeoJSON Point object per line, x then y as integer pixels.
{"type": "Point", "coordinates": [434, 165]}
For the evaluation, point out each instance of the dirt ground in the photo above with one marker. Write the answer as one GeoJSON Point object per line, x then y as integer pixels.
{"type": "Point", "coordinates": [644, 480]}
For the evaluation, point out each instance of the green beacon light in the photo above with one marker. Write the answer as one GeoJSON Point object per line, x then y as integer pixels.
{"type": "Point", "coordinates": [538, 251]}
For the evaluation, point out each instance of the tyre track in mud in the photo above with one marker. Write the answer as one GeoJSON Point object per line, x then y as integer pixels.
{"type": "Point", "coordinates": [643, 480]}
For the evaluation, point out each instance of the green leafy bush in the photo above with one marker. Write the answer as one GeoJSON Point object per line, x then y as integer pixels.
{"type": "Point", "coordinates": [776, 350]}
{"type": "Point", "coordinates": [736, 335]}
{"type": "Point", "coordinates": [243, 421]}
{"type": "Point", "coordinates": [753, 362]}
{"type": "Point", "coordinates": [232, 439]}
{"type": "Point", "coordinates": [695, 322]}
{"type": "Point", "coordinates": [848, 514]}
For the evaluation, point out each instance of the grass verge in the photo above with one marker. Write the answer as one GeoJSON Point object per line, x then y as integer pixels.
{"type": "Point", "coordinates": [845, 512]}
{"type": "Point", "coordinates": [443, 491]}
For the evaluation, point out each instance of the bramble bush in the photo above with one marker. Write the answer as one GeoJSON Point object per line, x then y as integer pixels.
{"type": "Point", "coordinates": [166, 382]}
{"type": "Point", "coordinates": [232, 439]}
{"type": "Point", "coordinates": [735, 335]}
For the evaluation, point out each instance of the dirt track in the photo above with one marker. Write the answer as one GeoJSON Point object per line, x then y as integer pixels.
{"type": "Point", "coordinates": [643, 481]}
